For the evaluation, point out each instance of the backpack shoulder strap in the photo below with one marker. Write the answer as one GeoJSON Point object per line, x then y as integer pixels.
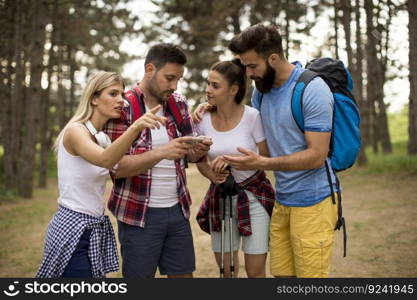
{"type": "Point", "coordinates": [297, 97]}
{"type": "Point", "coordinates": [138, 107]}
{"type": "Point", "coordinates": [173, 106]}
{"type": "Point", "coordinates": [260, 100]}
{"type": "Point", "coordinates": [257, 96]}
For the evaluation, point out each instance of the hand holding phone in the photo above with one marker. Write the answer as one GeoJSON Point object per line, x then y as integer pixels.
{"type": "Point", "coordinates": [199, 139]}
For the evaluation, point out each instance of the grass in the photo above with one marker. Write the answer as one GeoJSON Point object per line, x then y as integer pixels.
{"type": "Point", "coordinates": [22, 227]}
{"type": "Point", "coordinates": [398, 126]}
{"type": "Point", "coordinates": [7, 195]}
{"type": "Point", "coordinates": [399, 161]}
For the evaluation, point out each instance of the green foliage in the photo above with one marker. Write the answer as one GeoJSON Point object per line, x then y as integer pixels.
{"type": "Point", "coordinates": [203, 29]}
{"type": "Point", "coordinates": [96, 31]}
{"type": "Point", "coordinates": [52, 171]}
{"type": "Point", "coordinates": [7, 195]}
{"type": "Point", "coordinates": [399, 161]}
{"type": "Point", "coordinates": [398, 126]}
{"type": "Point", "coordinates": [396, 162]}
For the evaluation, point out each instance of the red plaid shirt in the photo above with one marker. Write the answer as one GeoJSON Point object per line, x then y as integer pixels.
{"type": "Point", "coordinates": [258, 184]}
{"type": "Point", "coordinates": [129, 198]}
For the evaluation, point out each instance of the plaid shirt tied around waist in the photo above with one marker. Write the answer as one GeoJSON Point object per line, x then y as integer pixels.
{"type": "Point", "coordinates": [129, 199]}
{"type": "Point", "coordinates": [258, 184]}
{"type": "Point", "coordinates": [64, 233]}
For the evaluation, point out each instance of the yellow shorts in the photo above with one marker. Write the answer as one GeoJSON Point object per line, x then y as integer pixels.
{"type": "Point", "coordinates": [301, 239]}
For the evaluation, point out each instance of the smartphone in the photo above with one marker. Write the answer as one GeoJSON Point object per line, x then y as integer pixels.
{"type": "Point", "coordinates": [195, 140]}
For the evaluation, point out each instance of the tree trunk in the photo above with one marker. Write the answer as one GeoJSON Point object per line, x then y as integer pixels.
{"type": "Point", "coordinates": [72, 67]}
{"type": "Point", "coordinates": [359, 90]}
{"type": "Point", "coordinates": [382, 119]}
{"type": "Point", "coordinates": [287, 30]}
{"type": "Point", "coordinates": [236, 23]}
{"type": "Point", "coordinates": [11, 150]}
{"type": "Point", "coordinates": [346, 19]}
{"type": "Point", "coordinates": [31, 122]}
{"type": "Point", "coordinates": [44, 137]}
{"type": "Point", "coordinates": [336, 35]}
{"type": "Point", "coordinates": [374, 120]}
{"type": "Point", "coordinates": [62, 101]}
{"type": "Point", "coordinates": [6, 53]}
{"type": "Point", "coordinates": [45, 134]}
{"type": "Point", "coordinates": [355, 70]}
{"type": "Point", "coordinates": [374, 72]}
{"type": "Point", "coordinates": [412, 56]}
{"type": "Point", "coordinates": [61, 53]}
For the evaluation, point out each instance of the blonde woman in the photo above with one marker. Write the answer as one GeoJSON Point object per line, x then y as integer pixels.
{"type": "Point", "coordinates": [80, 239]}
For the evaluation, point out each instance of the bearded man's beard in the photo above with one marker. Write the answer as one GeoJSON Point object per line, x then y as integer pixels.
{"type": "Point", "coordinates": [162, 96]}
{"type": "Point", "coordinates": [265, 83]}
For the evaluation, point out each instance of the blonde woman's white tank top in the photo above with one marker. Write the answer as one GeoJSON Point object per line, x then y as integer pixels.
{"type": "Point", "coordinates": [81, 184]}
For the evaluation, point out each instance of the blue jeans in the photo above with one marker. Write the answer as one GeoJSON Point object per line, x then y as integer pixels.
{"type": "Point", "coordinates": [79, 266]}
{"type": "Point", "coordinates": [166, 242]}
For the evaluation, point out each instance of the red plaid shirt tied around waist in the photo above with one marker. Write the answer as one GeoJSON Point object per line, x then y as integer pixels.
{"type": "Point", "coordinates": [258, 184]}
{"type": "Point", "coordinates": [130, 196]}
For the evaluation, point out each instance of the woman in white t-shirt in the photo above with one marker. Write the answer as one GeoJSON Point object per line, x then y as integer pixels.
{"type": "Point", "coordinates": [80, 239]}
{"type": "Point", "coordinates": [231, 124]}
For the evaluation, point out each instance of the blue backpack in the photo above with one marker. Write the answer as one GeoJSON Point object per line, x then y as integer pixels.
{"type": "Point", "coordinates": [346, 139]}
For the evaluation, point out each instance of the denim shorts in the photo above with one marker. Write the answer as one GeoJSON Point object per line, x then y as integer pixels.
{"type": "Point", "coordinates": [257, 242]}
{"type": "Point", "coordinates": [165, 242]}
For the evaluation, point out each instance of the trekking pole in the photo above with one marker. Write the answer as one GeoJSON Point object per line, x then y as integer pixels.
{"type": "Point", "coordinates": [222, 237]}
{"type": "Point", "coordinates": [232, 266]}
{"type": "Point", "coordinates": [228, 188]}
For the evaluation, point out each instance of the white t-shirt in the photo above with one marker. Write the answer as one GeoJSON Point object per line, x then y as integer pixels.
{"type": "Point", "coordinates": [164, 176]}
{"type": "Point", "coordinates": [246, 134]}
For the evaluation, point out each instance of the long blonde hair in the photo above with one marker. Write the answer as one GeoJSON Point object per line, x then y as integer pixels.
{"type": "Point", "coordinates": [95, 85]}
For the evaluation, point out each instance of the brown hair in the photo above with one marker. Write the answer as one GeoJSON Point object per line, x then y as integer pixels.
{"type": "Point", "coordinates": [164, 53]}
{"type": "Point", "coordinates": [234, 72]}
{"type": "Point", "coordinates": [264, 40]}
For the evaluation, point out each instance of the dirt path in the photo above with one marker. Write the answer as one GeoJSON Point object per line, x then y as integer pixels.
{"type": "Point", "coordinates": [382, 231]}
{"type": "Point", "coordinates": [380, 212]}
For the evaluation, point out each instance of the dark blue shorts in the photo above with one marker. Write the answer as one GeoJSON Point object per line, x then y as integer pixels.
{"type": "Point", "coordinates": [165, 242]}
{"type": "Point", "coordinates": [79, 266]}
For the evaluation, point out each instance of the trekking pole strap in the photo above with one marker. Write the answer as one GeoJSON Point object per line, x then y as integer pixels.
{"type": "Point", "coordinates": [232, 267]}
{"type": "Point", "coordinates": [329, 179]}
{"type": "Point", "coordinates": [344, 237]}
{"type": "Point", "coordinates": [340, 223]}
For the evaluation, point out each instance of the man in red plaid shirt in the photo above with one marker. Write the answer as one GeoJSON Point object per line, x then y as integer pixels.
{"type": "Point", "coordinates": [150, 198]}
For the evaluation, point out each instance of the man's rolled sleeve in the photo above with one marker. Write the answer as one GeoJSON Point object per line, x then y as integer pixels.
{"type": "Point", "coordinates": [318, 107]}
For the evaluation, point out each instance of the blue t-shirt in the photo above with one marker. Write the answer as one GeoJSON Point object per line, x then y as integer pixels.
{"type": "Point", "coordinates": [306, 187]}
